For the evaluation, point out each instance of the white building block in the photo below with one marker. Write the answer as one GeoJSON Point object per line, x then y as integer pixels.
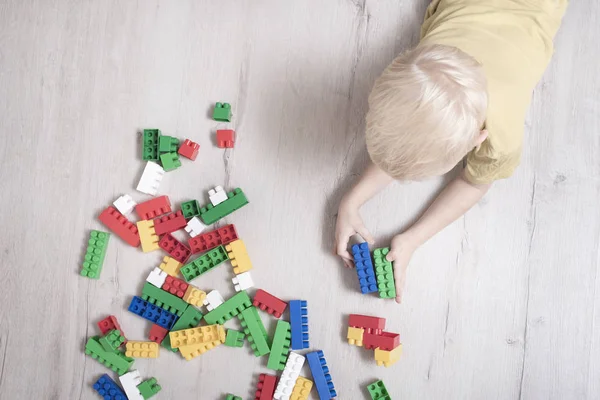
{"type": "Point", "coordinates": [195, 227]}
{"type": "Point", "coordinates": [157, 277]}
{"type": "Point", "coordinates": [243, 281]}
{"type": "Point", "coordinates": [125, 204]}
{"type": "Point", "coordinates": [151, 178]}
{"type": "Point", "coordinates": [130, 381]}
{"type": "Point", "coordinates": [290, 374]}
{"type": "Point", "coordinates": [217, 195]}
{"type": "Point", "coordinates": [213, 300]}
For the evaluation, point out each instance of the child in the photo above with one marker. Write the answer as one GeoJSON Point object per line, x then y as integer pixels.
{"type": "Point", "coordinates": [463, 91]}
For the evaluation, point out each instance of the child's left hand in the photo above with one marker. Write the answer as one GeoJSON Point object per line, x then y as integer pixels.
{"type": "Point", "coordinates": [401, 251]}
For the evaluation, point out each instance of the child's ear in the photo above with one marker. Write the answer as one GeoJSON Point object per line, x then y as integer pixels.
{"type": "Point", "coordinates": [483, 134]}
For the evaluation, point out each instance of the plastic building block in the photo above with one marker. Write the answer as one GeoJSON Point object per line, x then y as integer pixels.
{"type": "Point", "coordinates": [320, 373]}
{"type": "Point", "coordinates": [232, 397]}
{"type": "Point", "coordinates": [225, 138]}
{"type": "Point", "coordinates": [152, 312]}
{"type": "Point", "coordinates": [234, 338]}
{"type": "Point", "coordinates": [94, 254]}
{"type": "Point", "coordinates": [130, 381]}
{"type": "Point", "coordinates": [150, 144]}
{"type": "Point", "coordinates": [265, 388]}
{"type": "Point", "coordinates": [240, 261]}
{"type": "Point", "coordinates": [388, 357]}
{"type": "Point", "coordinates": [242, 281]}
{"type": "Point", "coordinates": [370, 324]}
{"type": "Point", "coordinates": [299, 323]}
{"type": "Point", "coordinates": [378, 391]}
{"type": "Point", "coordinates": [255, 331]}
{"type": "Point", "coordinates": [120, 226]}
{"type": "Point", "coordinates": [385, 340]}
{"type": "Point", "coordinates": [269, 303]}
{"type": "Point", "coordinates": [213, 300]}
{"type": "Point", "coordinates": [194, 227]}
{"type": "Point", "coordinates": [158, 333]}
{"type": "Point", "coordinates": [175, 248]}
{"type": "Point", "coordinates": [108, 389]}
{"type": "Point", "coordinates": [189, 149]}
{"type": "Point", "coordinates": [384, 272]}
{"type": "Point", "coordinates": [364, 268]}
{"type": "Point", "coordinates": [217, 195]}
{"type": "Point", "coordinates": [175, 286]}
{"type": "Point", "coordinates": [108, 324]}
{"type": "Point", "coordinates": [194, 350]}
{"type": "Point", "coordinates": [204, 263]}
{"type": "Point", "coordinates": [288, 378]}
{"type": "Point", "coordinates": [210, 240]}
{"type": "Point", "coordinates": [141, 349]}
{"type": "Point", "coordinates": [211, 214]}
{"type": "Point", "coordinates": [200, 334]}
{"type": "Point", "coordinates": [191, 318]}
{"type": "Point", "coordinates": [163, 299]}
{"type": "Point", "coordinates": [194, 296]}
{"type": "Point", "coordinates": [170, 161]}
{"type": "Point", "coordinates": [170, 265]}
{"type": "Point", "coordinates": [222, 112]}
{"type": "Point", "coordinates": [190, 208]}
{"type": "Point", "coordinates": [149, 388]}
{"type": "Point", "coordinates": [169, 223]}
{"type": "Point", "coordinates": [301, 389]}
{"type": "Point", "coordinates": [157, 277]}
{"type": "Point", "coordinates": [125, 204]}
{"type": "Point", "coordinates": [229, 309]}
{"type": "Point", "coordinates": [150, 179]}
{"type": "Point", "coordinates": [167, 144]}
{"type": "Point", "coordinates": [281, 346]}
{"type": "Point", "coordinates": [115, 361]}
{"type": "Point", "coordinates": [148, 237]}
{"type": "Point", "coordinates": [112, 341]}
{"type": "Point", "coordinates": [355, 336]}
{"type": "Point", "coordinates": [154, 207]}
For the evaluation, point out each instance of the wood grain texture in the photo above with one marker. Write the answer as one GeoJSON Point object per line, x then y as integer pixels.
{"type": "Point", "coordinates": [503, 304]}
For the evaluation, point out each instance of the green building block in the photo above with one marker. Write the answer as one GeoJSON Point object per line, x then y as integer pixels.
{"type": "Point", "coordinates": [168, 144]}
{"type": "Point", "coordinates": [378, 391]}
{"type": "Point", "coordinates": [149, 388]}
{"type": "Point", "coordinates": [117, 362]}
{"type": "Point", "coordinates": [112, 340]}
{"type": "Point", "coordinates": [384, 273]}
{"type": "Point", "coordinates": [236, 199]}
{"type": "Point", "coordinates": [204, 263]}
{"type": "Point", "coordinates": [189, 319]}
{"type": "Point", "coordinates": [150, 144]}
{"type": "Point", "coordinates": [229, 309]}
{"type": "Point", "coordinates": [190, 209]}
{"type": "Point", "coordinates": [222, 112]}
{"type": "Point", "coordinates": [255, 331]}
{"type": "Point", "coordinates": [94, 254]}
{"type": "Point", "coordinates": [234, 338]}
{"type": "Point", "coordinates": [281, 346]}
{"type": "Point", "coordinates": [170, 161]}
{"type": "Point", "coordinates": [232, 397]}
{"type": "Point", "coordinates": [163, 299]}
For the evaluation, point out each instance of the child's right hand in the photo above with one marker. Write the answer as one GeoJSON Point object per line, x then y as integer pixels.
{"type": "Point", "coordinates": [348, 223]}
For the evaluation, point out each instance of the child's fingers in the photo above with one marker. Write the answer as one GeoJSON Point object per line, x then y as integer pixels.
{"type": "Point", "coordinates": [362, 231]}
{"type": "Point", "coordinates": [391, 256]}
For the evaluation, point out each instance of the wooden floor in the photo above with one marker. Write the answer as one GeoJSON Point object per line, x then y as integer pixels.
{"type": "Point", "coordinates": [503, 304]}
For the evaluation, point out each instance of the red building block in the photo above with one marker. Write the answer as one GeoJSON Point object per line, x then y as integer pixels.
{"type": "Point", "coordinates": [169, 223]}
{"type": "Point", "coordinates": [369, 324]}
{"type": "Point", "coordinates": [265, 389]}
{"type": "Point", "coordinates": [385, 341]}
{"type": "Point", "coordinates": [175, 248]}
{"type": "Point", "coordinates": [154, 208]}
{"type": "Point", "coordinates": [225, 138]}
{"type": "Point", "coordinates": [269, 303]}
{"type": "Point", "coordinates": [109, 323]}
{"type": "Point", "coordinates": [157, 333]}
{"type": "Point", "coordinates": [175, 286]}
{"type": "Point", "coordinates": [120, 226]}
{"type": "Point", "coordinates": [209, 240]}
{"type": "Point", "coordinates": [189, 149]}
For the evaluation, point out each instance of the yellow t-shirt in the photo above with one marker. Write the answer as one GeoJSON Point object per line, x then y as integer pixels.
{"type": "Point", "coordinates": [512, 39]}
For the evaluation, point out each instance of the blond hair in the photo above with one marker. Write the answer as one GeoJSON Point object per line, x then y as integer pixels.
{"type": "Point", "coordinates": [425, 112]}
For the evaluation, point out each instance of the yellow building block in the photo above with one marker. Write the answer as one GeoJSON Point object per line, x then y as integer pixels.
{"type": "Point", "coordinates": [238, 256]}
{"type": "Point", "coordinates": [141, 349]}
{"type": "Point", "coordinates": [171, 266]}
{"type": "Point", "coordinates": [194, 296]}
{"type": "Point", "coordinates": [301, 389]}
{"type": "Point", "coordinates": [194, 350]}
{"type": "Point", "coordinates": [388, 358]}
{"type": "Point", "coordinates": [198, 335]}
{"type": "Point", "coordinates": [355, 336]}
{"type": "Point", "coordinates": [148, 237]}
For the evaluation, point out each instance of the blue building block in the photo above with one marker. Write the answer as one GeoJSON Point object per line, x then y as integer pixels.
{"type": "Point", "coordinates": [320, 373]}
{"type": "Point", "coordinates": [299, 323]}
{"type": "Point", "coordinates": [364, 268]}
{"type": "Point", "coordinates": [153, 313]}
{"type": "Point", "coordinates": [108, 389]}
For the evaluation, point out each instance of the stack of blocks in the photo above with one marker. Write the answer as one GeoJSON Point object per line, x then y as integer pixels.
{"type": "Point", "coordinates": [378, 278]}
{"type": "Point", "coordinates": [367, 332]}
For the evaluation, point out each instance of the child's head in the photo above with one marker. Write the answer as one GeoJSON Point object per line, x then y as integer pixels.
{"type": "Point", "coordinates": [426, 112]}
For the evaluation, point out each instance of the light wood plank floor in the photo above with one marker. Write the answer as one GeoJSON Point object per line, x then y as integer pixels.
{"type": "Point", "coordinates": [503, 304]}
